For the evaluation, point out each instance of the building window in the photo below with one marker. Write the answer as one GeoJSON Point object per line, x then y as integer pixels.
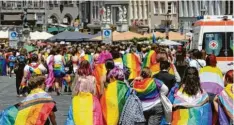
{"type": "Point", "coordinates": [163, 8]}
{"type": "Point", "coordinates": [169, 9]}
{"type": "Point", "coordinates": [156, 11]}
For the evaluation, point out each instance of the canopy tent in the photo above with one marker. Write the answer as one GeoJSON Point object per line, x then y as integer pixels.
{"type": "Point", "coordinates": [29, 48]}
{"type": "Point", "coordinates": [4, 34]}
{"type": "Point", "coordinates": [40, 35]}
{"type": "Point", "coordinates": [126, 36]}
{"type": "Point", "coordinates": [117, 36]}
{"type": "Point", "coordinates": [166, 42]}
{"type": "Point", "coordinates": [70, 37]}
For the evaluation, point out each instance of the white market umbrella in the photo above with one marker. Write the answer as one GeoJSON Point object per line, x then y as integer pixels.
{"type": "Point", "coordinates": [169, 43]}
{"type": "Point", "coordinates": [40, 35]}
{"type": "Point", "coordinates": [4, 34]}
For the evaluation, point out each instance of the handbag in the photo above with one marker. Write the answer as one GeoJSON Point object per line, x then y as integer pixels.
{"type": "Point", "coordinates": [167, 108]}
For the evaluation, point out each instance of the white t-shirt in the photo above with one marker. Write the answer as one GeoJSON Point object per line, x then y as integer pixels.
{"type": "Point", "coordinates": [198, 64]}
{"type": "Point", "coordinates": [48, 59]}
{"type": "Point", "coordinates": [41, 67]}
{"type": "Point", "coordinates": [58, 59]}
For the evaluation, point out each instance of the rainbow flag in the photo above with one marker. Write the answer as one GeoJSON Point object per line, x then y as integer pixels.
{"type": "Point", "coordinates": [150, 59]}
{"type": "Point", "coordinates": [156, 68]}
{"type": "Point", "coordinates": [59, 70]}
{"type": "Point", "coordinates": [112, 101]}
{"type": "Point", "coordinates": [191, 109]}
{"type": "Point", "coordinates": [132, 62]}
{"type": "Point", "coordinates": [119, 62]}
{"type": "Point", "coordinates": [85, 110]}
{"type": "Point", "coordinates": [99, 72]}
{"type": "Point", "coordinates": [146, 89]}
{"type": "Point", "coordinates": [87, 57]}
{"type": "Point", "coordinates": [34, 110]}
{"type": "Point", "coordinates": [226, 98]}
{"type": "Point", "coordinates": [211, 79]}
{"type": "Point", "coordinates": [193, 116]}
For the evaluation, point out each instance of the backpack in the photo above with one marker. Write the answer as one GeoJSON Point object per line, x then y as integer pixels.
{"type": "Point", "coordinates": [132, 112]}
{"type": "Point", "coordinates": [34, 70]}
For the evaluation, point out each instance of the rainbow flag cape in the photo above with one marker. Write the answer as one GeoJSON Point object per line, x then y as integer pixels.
{"type": "Point", "coordinates": [226, 98]}
{"type": "Point", "coordinates": [3, 66]}
{"type": "Point", "coordinates": [193, 116]}
{"type": "Point", "coordinates": [99, 72]}
{"type": "Point", "coordinates": [150, 59]}
{"type": "Point", "coordinates": [211, 79]}
{"type": "Point", "coordinates": [87, 57]}
{"type": "Point", "coordinates": [156, 68]}
{"type": "Point", "coordinates": [146, 89]}
{"type": "Point", "coordinates": [191, 109]}
{"type": "Point", "coordinates": [85, 110]}
{"type": "Point", "coordinates": [113, 100]}
{"type": "Point", "coordinates": [33, 110]}
{"type": "Point", "coordinates": [59, 70]}
{"type": "Point", "coordinates": [119, 62]}
{"type": "Point", "coordinates": [132, 62]}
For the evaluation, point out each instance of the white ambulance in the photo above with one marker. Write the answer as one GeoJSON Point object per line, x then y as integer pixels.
{"type": "Point", "coordinates": [214, 34]}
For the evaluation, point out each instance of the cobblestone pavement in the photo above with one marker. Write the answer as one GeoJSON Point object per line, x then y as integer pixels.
{"type": "Point", "coordinates": [8, 97]}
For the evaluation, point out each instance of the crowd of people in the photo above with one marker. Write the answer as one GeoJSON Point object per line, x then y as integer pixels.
{"type": "Point", "coordinates": [127, 84]}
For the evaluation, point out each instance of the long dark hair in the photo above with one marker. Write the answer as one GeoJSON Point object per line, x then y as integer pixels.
{"type": "Point", "coordinates": [191, 81]}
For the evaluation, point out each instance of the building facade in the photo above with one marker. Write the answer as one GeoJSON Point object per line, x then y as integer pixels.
{"type": "Point", "coordinates": [189, 10]}
{"type": "Point", "coordinates": [39, 12]}
{"type": "Point", "coordinates": [132, 13]}
{"type": "Point", "coordinates": [164, 15]}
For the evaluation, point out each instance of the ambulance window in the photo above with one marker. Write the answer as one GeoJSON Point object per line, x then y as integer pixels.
{"type": "Point", "coordinates": [214, 43]}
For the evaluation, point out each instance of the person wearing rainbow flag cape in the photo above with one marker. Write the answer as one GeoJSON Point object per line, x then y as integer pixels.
{"type": "Point", "coordinates": [148, 91]}
{"type": "Point", "coordinates": [114, 96]}
{"type": "Point", "coordinates": [223, 102]}
{"type": "Point", "coordinates": [85, 108]}
{"type": "Point", "coordinates": [190, 102]}
{"type": "Point", "coordinates": [36, 109]}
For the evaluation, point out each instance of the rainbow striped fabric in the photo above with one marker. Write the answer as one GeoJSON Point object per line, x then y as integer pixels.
{"type": "Point", "coordinates": [193, 116]}
{"type": "Point", "coordinates": [59, 70]}
{"type": "Point", "coordinates": [226, 97]}
{"type": "Point", "coordinates": [191, 109]}
{"type": "Point", "coordinates": [87, 57]}
{"type": "Point", "coordinates": [99, 72]}
{"type": "Point", "coordinates": [119, 62]}
{"type": "Point", "coordinates": [211, 79]}
{"type": "Point", "coordinates": [149, 59]}
{"type": "Point", "coordinates": [85, 110]}
{"type": "Point", "coordinates": [33, 110]}
{"type": "Point", "coordinates": [132, 62]}
{"type": "Point", "coordinates": [112, 101]}
{"type": "Point", "coordinates": [146, 89]}
{"type": "Point", "coordinates": [156, 68]}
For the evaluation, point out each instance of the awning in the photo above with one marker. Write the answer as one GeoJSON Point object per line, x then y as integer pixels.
{"type": "Point", "coordinates": [56, 29]}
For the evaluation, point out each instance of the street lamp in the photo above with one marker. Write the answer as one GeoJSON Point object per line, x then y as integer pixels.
{"type": "Point", "coordinates": [168, 22]}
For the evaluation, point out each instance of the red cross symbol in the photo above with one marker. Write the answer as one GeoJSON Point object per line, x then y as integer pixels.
{"type": "Point", "coordinates": [213, 44]}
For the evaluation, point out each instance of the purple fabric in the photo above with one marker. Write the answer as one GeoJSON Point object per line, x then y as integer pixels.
{"type": "Point", "coordinates": [116, 73]}
{"type": "Point", "coordinates": [211, 87]}
{"type": "Point", "coordinates": [222, 117]}
{"type": "Point", "coordinates": [103, 56]}
{"type": "Point", "coordinates": [50, 78]}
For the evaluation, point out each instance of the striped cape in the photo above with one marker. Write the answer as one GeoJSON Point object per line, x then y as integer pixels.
{"type": "Point", "coordinates": [191, 110]}
{"type": "Point", "coordinates": [85, 110]}
{"type": "Point", "coordinates": [149, 59]}
{"type": "Point", "coordinates": [156, 68]}
{"type": "Point", "coordinates": [211, 79]}
{"type": "Point", "coordinates": [99, 72]}
{"type": "Point", "coordinates": [132, 62]}
{"type": "Point", "coordinates": [226, 98]}
{"type": "Point", "coordinates": [119, 62]}
{"type": "Point", "coordinates": [146, 89]}
{"type": "Point", "coordinates": [88, 58]}
{"type": "Point", "coordinates": [112, 101]}
{"type": "Point", "coordinates": [33, 110]}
